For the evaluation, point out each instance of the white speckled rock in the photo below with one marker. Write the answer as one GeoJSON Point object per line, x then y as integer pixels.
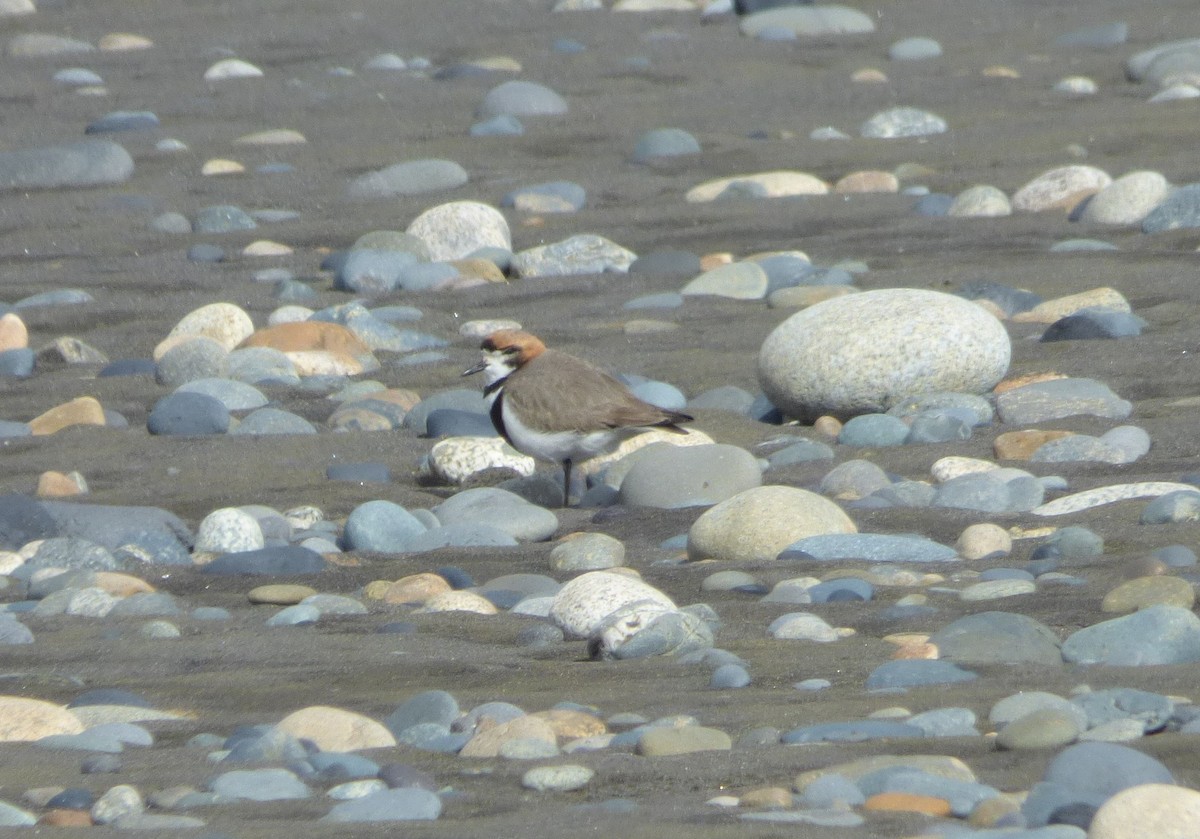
{"type": "Point", "coordinates": [954, 466]}
{"type": "Point", "coordinates": [860, 354]}
{"type": "Point", "coordinates": [1049, 311]}
{"type": "Point", "coordinates": [736, 281]}
{"type": "Point", "coordinates": [1107, 495]}
{"type": "Point", "coordinates": [1060, 189]}
{"type": "Point", "coordinates": [584, 253]}
{"type": "Point", "coordinates": [459, 228]}
{"type": "Point", "coordinates": [1159, 810]}
{"type": "Point", "coordinates": [459, 601]}
{"type": "Point", "coordinates": [23, 719]}
{"type": "Point", "coordinates": [980, 201]}
{"type": "Point", "coordinates": [1127, 200]}
{"type": "Point", "coordinates": [225, 323]}
{"type": "Point", "coordinates": [983, 540]}
{"type": "Point", "coordinates": [762, 185]}
{"type": "Point", "coordinates": [456, 459]}
{"type": "Point", "coordinates": [228, 530]}
{"type": "Point", "coordinates": [581, 606]}
{"type": "Point", "coordinates": [757, 524]}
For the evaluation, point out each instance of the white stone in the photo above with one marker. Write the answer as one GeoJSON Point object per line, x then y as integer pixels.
{"type": "Point", "coordinates": [228, 530]}
{"type": "Point", "coordinates": [1062, 188]}
{"type": "Point", "coordinates": [769, 184]}
{"type": "Point", "coordinates": [862, 353]}
{"type": "Point", "coordinates": [581, 605]}
{"type": "Point", "coordinates": [231, 68]}
{"type": "Point", "coordinates": [1128, 199]}
{"type": "Point", "coordinates": [757, 524]}
{"type": "Point", "coordinates": [1108, 495]}
{"type": "Point", "coordinates": [457, 229]}
{"type": "Point", "coordinates": [1161, 811]}
{"type": "Point", "coordinates": [225, 323]}
{"type": "Point", "coordinates": [455, 459]}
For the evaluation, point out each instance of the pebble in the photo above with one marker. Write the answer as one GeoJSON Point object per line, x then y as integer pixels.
{"type": "Point", "coordinates": [413, 177]}
{"type": "Point", "coordinates": [672, 477]}
{"type": "Point", "coordinates": [871, 547]}
{"type": "Point", "coordinates": [1157, 809]}
{"type": "Point", "coordinates": [582, 605]}
{"type": "Point", "coordinates": [758, 185]}
{"type": "Point", "coordinates": [1159, 634]}
{"type": "Point", "coordinates": [991, 637]}
{"type": "Point", "coordinates": [902, 122]}
{"type": "Point", "coordinates": [231, 68]}
{"type": "Point", "coordinates": [947, 343]}
{"type": "Point", "coordinates": [807, 21]}
{"type": "Point", "coordinates": [1127, 200]}
{"type": "Point", "coordinates": [188, 415]}
{"type": "Point", "coordinates": [521, 98]}
{"type": "Point", "coordinates": [663, 741]}
{"type": "Point", "coordinates": [734, 281]}
{"type": "Point", "coordinates": [1063, 188]}
{"type": "Point", "coordinates": [664, 143]}
{"type": "Point", "coordinates": [1060, 398]}
{"type": "Point", "coordinates": [980, 201]}
{"type": "Point", "coordinates": [587, 552]}
{"type": "Point", "coordinates": [1180, 209]}
{"type": "Point", "coordinates": [585, 253]}
{"type": "Point", "coordinates": [757, 524]}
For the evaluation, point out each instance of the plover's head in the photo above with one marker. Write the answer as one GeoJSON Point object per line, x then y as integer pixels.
{"type": "Point", "coordinates": [504, 351]}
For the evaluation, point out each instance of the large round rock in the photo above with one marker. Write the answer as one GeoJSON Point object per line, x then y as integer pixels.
{"type": "Point", "coordinates": [862, 353]}
{"type": "Point", "coordinates": [758, 524]}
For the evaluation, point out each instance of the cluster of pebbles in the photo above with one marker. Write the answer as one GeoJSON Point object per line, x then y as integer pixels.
{"type": "Point", "coordinates": [920, 491]}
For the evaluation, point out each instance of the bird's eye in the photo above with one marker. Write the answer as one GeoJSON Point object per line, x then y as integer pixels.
{"type": "Point", "coordinates": [511, 350]}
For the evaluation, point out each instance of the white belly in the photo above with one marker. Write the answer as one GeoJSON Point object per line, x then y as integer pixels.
{"type": "Point", "coordinates": [558, 446]}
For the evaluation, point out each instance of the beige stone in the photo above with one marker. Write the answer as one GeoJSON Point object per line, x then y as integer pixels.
{"type": "Point", "coordinates": [416, 588]}
{"type": "Point", "coordinates": [221, 166]}
{"type": "Point", "coordinates": [1052, 310]}
{"type": "Point", "coordinates": [771, 184]}
{"type": "Point", "coordinates": [478, 268]}
{"type": "Point", "coordinates": [1160, 811]}
{"type": "Point", "coordinates": [571, 725]}
{"type": "Point", "coordinates": [123, 42]}
{"type": "Point", "coordinates": [280, 594]}
{"type": "Point", "coordinates": [1020, 445]}
{"type": "Point", "coordinates": [1149, 591]}
{"type": "Point", "coordinates": [324, 363]}
{"type": "Point", "coordinates": [1027, 379]}
{"type": "Point", "coordinates": [336, 730]}
{"type": "Point", "coordinates": [57, 485]}
{"type": "Point", "coordinates": [120, 585]}
{"type": "Point", "coordinates": [308, 335]}
{"type": "Point", "coordinates": [1060, 189]}
{"type": "Point", "coordinates": [266, 247]}
{"type": "Point", "coordinates": [983, 539]}
{"type": "Point", "coordinates": [767, 798]}
{"type": "Point", "coordinates": [225, 323]}
{"type": "Point", "coordinates": [757, 524]}
{"type": "Point", "coordinates": [13, 333]}
{"type": "Point", "coordinates": [272, 137]}
{"type": "Point", "coordinates": [487, 742]}
{"type": "Point", "coordinates": [22, 719]}
{"type": "Point", "coordinates": [459, 601]}
{"type": "Point", "coordinates": [84, 410]}
{"type": "Point", "coordinates": [871, 180]}
{"type": "Point", "coordinates": [907, 802]}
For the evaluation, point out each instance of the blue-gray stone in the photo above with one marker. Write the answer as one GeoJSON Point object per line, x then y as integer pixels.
{"type": "Point", "coordinates": [667, 263]}
{"type": "Point", "coordinates": [1005, 574]}
{"type": "Point", "coordinates": [1082, 245]}
{"type": "Point", "coordinates": [904, 674]}
{"type": "Point", "coordinates": [946, 722]}
{"type": "Point", "coordinates": [662, 143]}
{"type": "Point", "coordinates": [72, 553]}
{"type": "Point", "coordinates": [78, 77]}
{"type": "Point", "coordinates": [833, 790]}
{"type": "Point", "coordinates": [660, 394]}
{"type": "Point", "coordinates": [406, 804]}
{"type": "Point", "coordinates": [206, 252]}
{"type": "Point", "coordinates": [423, 276]}
{"type": "Point", "coordinates": [161, 548]}
{"type": "Point", "coordinates": [223, 218]}
{"type": "Point", "coordinates": [85, 741]}
{"type": "Point", "coordinates": [234, 395]}
{"type": "Point", "coordinates": [87, 163]}
{"type": "Point", "coordinates": [293, 291]}
{"type": "Point", "coordinates": [845, 589]}
{"type": "Point", "coordinates": [273, 421]}
{"type": "Point", "coordinates": [12, 631]}
{"type": "Point", "coordinates": [259, 785]}
{"type": "Point", "coordinates": [856, 731]}
{"type": "Point", "coordinates": [497, 508]}
{"type": "Point", "coordinates": [372, 270]}
{"type": "Point", "coordinates": [23, 520]}
{"type": "Point", "coordinates": [729, 676]}
{"type": "Point", "coordinates": [501, 125]}
{"type": "Point", "coordinates": [1094, 324]}
{"type": "Point", "coordinates": [461, 399]}
{"type": "Point", "coordinates": [118, 121]}
{"type": "Point", "coordinates": [380, 526]}
{"type": "Point", "coordinates": [342, 766]}
{"type": "Point", "coordinates": [902, 122]}
{"type": "Point", "coordinates": [146, 604]}
{"type": "Point", "coordinates": [188, 415]}
{"type": "Point", "coordinates": [55, 297]}
{"type": "Point", "coordinates": [17, 363]}
{"type": "Point", "coordinates": [873, 547]}
{"type": "Point", "coordinates": [1155, 635]}
{"type": "Point", "coordinates": [1176, 556]}
{"type": "Point", "coordinates": [977, 491]}
{"type": "Point", "coordinates": [114, 526]}
{"type": "Point", "coordinates": [938, 426]}
{"type": "Point", "coordinates": [448, 422]}
{"type": "Point", "coordinates": [359, 473]}
{"type": "Point", "coordinates": [1010, 300]}
{"type": "Point", "coordinates": [412, 177]}
{"type": "Point", "coordinates": [1152, 710]}
{"type": "Point", "coordinates": [280, 560]}
{"type": "Point", "coordinates": [730, 398]}
{"type": "Point", "coordinates": [785, 271]}
{"type": "Point", "coordinates": [263, 744]}
{"type": "Point", "coordinates": [464, 535]}
{"type": "Point", "coordinates": [72, 798]}
{"type": "Point", "coordinates": [963, 796]}
{"type": "Point", "coordinates": [1180, 506]}
{"type": "Point", "coordinates": [933, 205]}
{"type": "Point", "coordinates": [557, 196]}
{"type": "Point", "coordinates": [914, 49]}
{"type": "Point", "coordinates": [1075, 542]}
{"type": "Point", "coordinates": [1105, 769]}
{"type": "Point", "coordinates": [433, 706]}
{"type": "Point", "coordinates": [998, 637]}
{"type": "Point", "coordinates": [1180, 209]}
{"type": "Point", "coordinates": [521, 99]}
{"type": "Point", "coordinates": [299, 614]}
{"type": "Point", "coordinates": [872, 430]}
{"type": "Point", "coordinates": [801, 451]}
{"type": "Point", "coordinates": [200, 358]}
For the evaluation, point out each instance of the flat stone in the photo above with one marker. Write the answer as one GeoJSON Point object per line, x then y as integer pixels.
{"type": "Point", "coordinates": [1158, 634]}
{"type": "Point", "coordinates": [663, 741]}
{"type": "Point", "coordinates": [1140, 593]}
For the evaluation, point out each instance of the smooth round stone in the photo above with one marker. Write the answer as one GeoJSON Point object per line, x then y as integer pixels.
{"type": "Point", "coordinates": [55, 297]}
{"type": "Point", "coordinates": [667, 263]}
{"type": "Point", "coordinates": [119, 121]}
{"type": "Point", "coordinates": [840, 356]}
{"type": "Point", "coordinates": [561, 778]}
{"type": "Point", "coordinates": [500, 509]}
{"type": "Point", "coordinates": [729, 677]}
{"type": "Point", "coordinates": [205, 252]}
{"type": "Point", "coordinates": [459, 228]}
{"type": "Point", "coordinates": [455, 459]}
{"type": "Point", "coordinates": [672, 477]}
{"type": "Point", "coordinates": [17, 363]}
{"type": "Point", "coordinates": [1127, 200]}
{"type": "Point", "coordinates": [1172, 507]}
{"type": "Point", "coordinates": [869, 430]}
{"type": "Point", "coordinates": [1020, 704]}
{"type": "Point", "coordinates": [1151, 710]}
{"type": "Point", "coordinates": [872, 547]}
{"type": "Point", "coordinates": [581, 606]}
{"type": "Point", "coordinates": [1155, 635]}
{"type": "Point", "coordinates": [413, 177]}
{"type": "Point", "coordinates": [31, 44]}
{"type": "Point", "coordinates": [662, 143]}
{"type": "Point", "coordinates": [380, 526]}
{"type": "Point", "coordinates": [188, 415]}
{"type": "Point", "coordinates": [1092, 325]}
{"type": "Point", "coordinates": [934, 205]}
{"type": "Point", "coordinates": [552, 197]}
{"type": "Point", "coordinates": [757, 524]}
{"type": "Point", "coordinates": [980, 201]}
{"type": "Point", "coordinates": [858, 731]}
{"type": "Point", "coordinates": [372, 270]}
{"type": "Point", "coordinates": [587, 552]}
{"type": "Point", "coordinates": [435, 707]}
{"type": "Point", "coordinates": [1164, 811]}
{"type": "Point", "coordinates": [1045, 728]}
{"type": "Point", "coordinates": [941, 426]}
{"type": "Point", "coordinates": [273, 421]}
{"type": "Point", "coordinates": [902, 122]}
{"type": "Point", "coordinates": [914, 49]}
{"type": "Point", "coordinates": [983, 541]}
{"type": "Point", "coordinates": [802, 20]}
{"type": "Point", "coordinates": [664, 741]}
{"type": "Point", "coordinates": [269, 561]}
{"type": "Point", "coordinates": [259, 785]}
{"type": "Point", "coordinates": [584, 253]}
{"type": "Point", "coordinates": [234, 395]}
{"type": "Point", "coordinates": [262, 365]}
{"type": "Point", "coordinates": [904, 674]}
{"type": "Point", "coordinates": [1180, 209]}
{"type": "Point", "coordinates": [1104, 769]}
{"type": "Point", "coordinates": [1060, 398]}
{"type": "Point", "coordinates": [1176, 556]}
{"type": "Point", "coordinates": [196, 358]}
{"type": "Point", "coordinates": [734, 281]}
{"type": "Point", "coordinates": [1062, 188]}
{"type": "Point", "coordinates": [802, 626]}
{"type": "Point", "coordinates": [663, 395]}
{"type": "Point", "coordinates": [77, 77]}
{"type": "Point", "coordinates": [997, 637]}
{"type": "Point", "coordinates": [1096, 37]}
{"type": "Point", "coordinates": [846, 589]}
{"type": "Point", "coordinates": [997, 589]}
{"type": "Point", "coordinates": [1010, 300]}
{"type": "Point", "coordinates": [501, 125]}
{"type": "Point", "coordinates": [223, 218]}
{"type": "Point", "coordinates": [231, 68]}
{"type": "Point", "coordinates": [1149, 591]}
{"type": "Point", "coordinates": [521, 99]}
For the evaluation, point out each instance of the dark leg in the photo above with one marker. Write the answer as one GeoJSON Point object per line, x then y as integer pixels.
{"type": "Point", "coordinates": [566, 483]}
